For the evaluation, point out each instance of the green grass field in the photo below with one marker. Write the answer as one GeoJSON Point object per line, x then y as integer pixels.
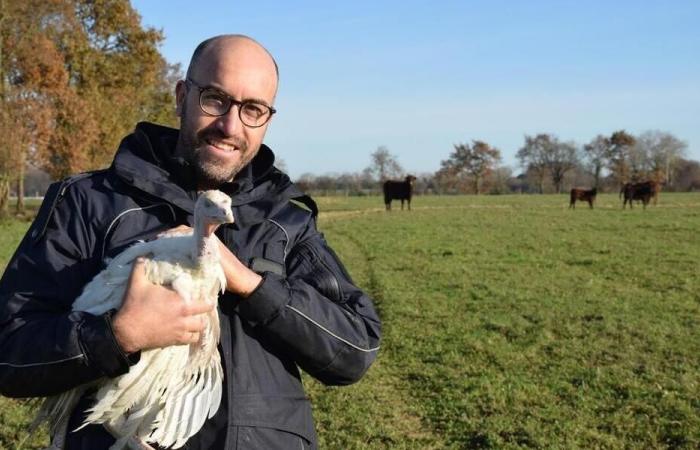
{"type": "Point", "coordinates": [511, 322]}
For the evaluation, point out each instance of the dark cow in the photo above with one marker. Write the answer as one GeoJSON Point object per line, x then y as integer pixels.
{"type": "Point", "coordinates": [643, 191]}
{"type": "Point", "coordinates": [398, 190]}
{"type": "Point", "coordinates": [583, 195]}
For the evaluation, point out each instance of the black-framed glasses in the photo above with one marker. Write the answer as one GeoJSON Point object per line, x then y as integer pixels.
{"type": "Point", "coordinates": [215, 103]}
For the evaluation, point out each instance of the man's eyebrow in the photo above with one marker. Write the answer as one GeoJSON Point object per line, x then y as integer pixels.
{"type": "Point", "coordinates": [256, 100]}
{"type": "Point", "coordinates": [247, 99]}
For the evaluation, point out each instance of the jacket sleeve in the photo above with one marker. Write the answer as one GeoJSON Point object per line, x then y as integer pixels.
{"type": "Point", "coordinates": [316, 313]}
{"type": "Point", "coordinates": [45, 348]}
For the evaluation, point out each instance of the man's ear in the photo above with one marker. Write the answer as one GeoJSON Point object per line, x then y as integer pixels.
{"type": "Point", "coordinates": [180, 96]}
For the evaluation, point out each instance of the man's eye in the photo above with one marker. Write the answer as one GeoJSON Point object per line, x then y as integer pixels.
{"type": "Point", "coordinates": [253, 110]}
{"type": "Point", "coordinates": [213, 99]}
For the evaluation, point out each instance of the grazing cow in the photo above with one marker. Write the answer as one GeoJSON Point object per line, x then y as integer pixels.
{"type": "Point", "coordinates": [583, 195]}
{"type": "Point", "coordinates": [643, 191]}
{"type": "Point", "coordinates": [398, 190]}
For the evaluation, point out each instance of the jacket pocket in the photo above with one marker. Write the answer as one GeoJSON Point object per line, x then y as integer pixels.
{"type": "Point", "coordinates": [308, 263]}
{"type": "Point", "coordinates": [272, 422]}
{"type": "Point", "coordinates": [263, 438]}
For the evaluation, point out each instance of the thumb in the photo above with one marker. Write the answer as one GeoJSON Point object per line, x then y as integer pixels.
{"type": "Point", "coordinates": [138, 272]}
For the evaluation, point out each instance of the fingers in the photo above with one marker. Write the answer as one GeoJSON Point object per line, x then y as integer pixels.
{"type": "Point", "coordinates": [196, 323]}
{"type": "Point", "coordinates": [201, 307]}
{"type": "Point", "coordinates": [188, 337]}
{"type": "Point", "coordinates": [138, 272]}
{"type": "Point", "coordinates": [140, 286]}
{"type": "Point", "coordinates": [156, 316]}
{"type": "Point", "coordinates": [191, 329]}
{"type": "Point", "coordinates": [191, 337]}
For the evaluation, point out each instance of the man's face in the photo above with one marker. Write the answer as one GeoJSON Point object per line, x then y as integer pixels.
{"type": "Point", "coordinates": [218, 147]}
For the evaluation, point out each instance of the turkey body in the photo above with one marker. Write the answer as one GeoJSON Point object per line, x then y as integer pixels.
{"type": "Point", "coordinates": [169, 393]}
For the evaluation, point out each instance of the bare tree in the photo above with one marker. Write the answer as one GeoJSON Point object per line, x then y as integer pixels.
{"type": "Point", "coordinates": [385, 165]}
{"type": "Point", "coordinates": [596, 156]}
{"type": "Point", "coordinates": [531, 157]}
{"type": "Point", "coordinates": [306, 181]}
{"type": "Point", "coordinates": [349, 183]}
{"type": "Point", "coordinates": [326, 184]}
{"type": "Point", "coordinates": [546, 154]}
{"type": "Point", "coordinates": [687, 175]}
{"type": "Point", "coordinates": [561, 159]}
{"type": "Point", "coordinates": [662, 151]}
{"type": "Point", "coordinates": [501, 176]}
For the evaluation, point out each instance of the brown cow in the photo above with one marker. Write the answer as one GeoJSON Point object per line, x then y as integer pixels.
{"type": "Point", "coordinates": [643, 191]}
{"type": "Point", "coordinates": [583, 195]}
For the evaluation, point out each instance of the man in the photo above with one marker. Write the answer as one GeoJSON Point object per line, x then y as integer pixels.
{"type": "Point", "coordinates": [289, 301]}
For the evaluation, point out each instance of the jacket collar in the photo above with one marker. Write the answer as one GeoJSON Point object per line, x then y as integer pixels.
{"type": "Point", "coordinates": [145, 160]}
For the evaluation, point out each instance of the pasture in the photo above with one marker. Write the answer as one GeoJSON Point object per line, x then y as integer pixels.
{"type": "Point", "coordinates": [510, 322]}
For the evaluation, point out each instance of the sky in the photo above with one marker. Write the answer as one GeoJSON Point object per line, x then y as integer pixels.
{"type": "Point", "coordinates": [419, 77]}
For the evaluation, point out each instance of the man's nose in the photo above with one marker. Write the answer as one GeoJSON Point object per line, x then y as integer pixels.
{"type": "Point", "coordinates": [230, 123]}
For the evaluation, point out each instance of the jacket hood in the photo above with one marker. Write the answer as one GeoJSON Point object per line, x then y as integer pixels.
{"type": "Point", "coordinates": [145, 161]}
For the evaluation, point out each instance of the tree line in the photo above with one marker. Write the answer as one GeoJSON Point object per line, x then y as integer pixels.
{"type": "Point", "coordinates": [75, 76]}
{"type": "Point", "coordinates": [546, 163]}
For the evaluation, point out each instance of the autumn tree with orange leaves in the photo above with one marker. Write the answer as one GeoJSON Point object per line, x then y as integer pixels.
{"type": "Point", "coordinates": [476, 161]}
{"type": "Point", "coordinates": [75, 77]}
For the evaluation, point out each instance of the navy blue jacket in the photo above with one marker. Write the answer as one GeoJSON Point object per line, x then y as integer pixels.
{"type": "Point", "coordinates": [307, 313]}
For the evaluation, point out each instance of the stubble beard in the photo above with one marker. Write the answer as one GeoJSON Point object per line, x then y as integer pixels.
{"type": "Point", "coordinates": [210, 171]}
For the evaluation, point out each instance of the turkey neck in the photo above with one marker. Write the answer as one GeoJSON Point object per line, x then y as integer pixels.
{"type": "Point", "coordinates": [207, 247]}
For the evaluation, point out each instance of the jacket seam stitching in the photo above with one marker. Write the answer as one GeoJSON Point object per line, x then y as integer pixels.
{"type": "Point", "coordinates": [109, 228]}
{"type": "Point", "coordinates": [345, 341]}
{"type": "Point", "coordinates": [82, 355]}
{"type": "Point", "coordinates": [236, 424]}
{"type": "Point", "coordinates": [286, 235]}
{"type": "Point", "coordinates": [69, 181]}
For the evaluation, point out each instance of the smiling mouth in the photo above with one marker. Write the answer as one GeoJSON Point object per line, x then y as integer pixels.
{"type": "Point", "coordinates": [221, 145]}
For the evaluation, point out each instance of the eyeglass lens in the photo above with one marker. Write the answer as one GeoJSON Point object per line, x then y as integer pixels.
{"type": "Point", "coordinates": [217, 104]}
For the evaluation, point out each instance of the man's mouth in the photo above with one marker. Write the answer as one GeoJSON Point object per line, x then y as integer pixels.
{"type": "Point", "coordinates": [223, 146]}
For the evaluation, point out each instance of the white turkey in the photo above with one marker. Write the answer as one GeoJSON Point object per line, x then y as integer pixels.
{"type": "Point", "coordinates": [166, 397]}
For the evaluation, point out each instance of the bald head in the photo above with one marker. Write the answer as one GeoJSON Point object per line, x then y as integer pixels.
{"type": "Point", "coordinates": [222, 43]}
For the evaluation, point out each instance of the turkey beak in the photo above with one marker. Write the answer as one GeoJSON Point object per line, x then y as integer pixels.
{"type": "Point", "coordinates": [229, 217]}
{"type": "Point", "coordinates": [211, 227]}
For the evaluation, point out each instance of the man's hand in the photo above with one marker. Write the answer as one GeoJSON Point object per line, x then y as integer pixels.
{"type": "Point", "coordinates": [154, 316]}
{"type": "Point", "coordinates": [239, 279]}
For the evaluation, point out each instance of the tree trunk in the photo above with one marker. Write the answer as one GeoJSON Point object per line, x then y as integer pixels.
{"type": "Point", "coordinates": [596, 177]}
{"type": "Point", "coordinates": [558, 180]}
{"type": "Point", "coordinates": [20, 190]}
{"type": "Point", "coordinates": [4, 196]}
{"type": "Point", "coordinates": [4, 183]}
